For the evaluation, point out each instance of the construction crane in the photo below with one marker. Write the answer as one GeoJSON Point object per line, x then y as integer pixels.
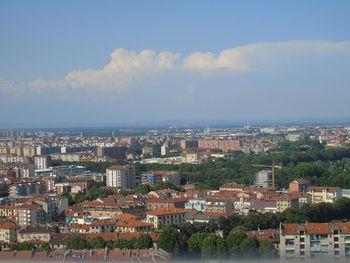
{"type": "Point", "coordinates": [273, 167]}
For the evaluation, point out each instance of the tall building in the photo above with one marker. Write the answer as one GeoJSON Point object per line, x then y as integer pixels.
{"type": "Point", "coordinates": [42, 162]}
{"type": "Point", "coordinates": [264, 178]}
{"type": "Point", "coordinates": [114, 152]}
{"type": "Point", "coordinates": [121, 176]}
{"type": "Point", "coordinates": [188, 144]}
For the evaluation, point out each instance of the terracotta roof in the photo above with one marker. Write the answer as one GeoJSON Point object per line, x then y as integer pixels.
{"type": "Point", "coordinates": [8, 225]}
{"type": "Point", "coordinates": [102, 223]}
{"type": "Point", "coordinates": [132, 223]}
{"type": "Point", "coordinates": [315, 228]}
{"type": "Point", "coordinates": [320, 188]}
{"type": "Point", "coordinates": [170, 211]}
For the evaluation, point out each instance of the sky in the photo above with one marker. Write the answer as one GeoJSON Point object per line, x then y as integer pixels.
{"type": "Point", "coordinates": [101, 62]}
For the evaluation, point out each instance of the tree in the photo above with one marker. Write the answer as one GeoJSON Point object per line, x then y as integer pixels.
{"type": "Point", "coordinates": [143, 189]}
{"type": "Point", "coordinates": [69, 197]}
{"type": "Point", "coordinates": [144, 241]}
{"type": "Point", "coordinates": [121, 243]}
{"type": "Point", "coordinates": [250, 246]}
{"type": "Point", "coordinates": [171, 241]}
{"type": "Point", "coordinates": [209, 246]}
{"type": "Point", "coordinates": [267, 249]}
{"type": "Point", "coordinates": [195, 242]}
{"type": "Point", "coordinates": [97, 243]}
{"type": "Point", "coordinates": [22, 246]}
{"type": "Point", "coordinates": [76, 243]}
{"type": "Point", "coordinates": [234, 241]}
{"type": "Point", "coordinates": [44, 247]}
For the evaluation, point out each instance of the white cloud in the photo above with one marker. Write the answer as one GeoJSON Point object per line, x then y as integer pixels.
{"type": "Point", "coordinates": [127, 66]}
{"type": "Point", "coordinates": [5, 85]}
{"type": "Point", "coordinates": [124, 67]}
{"type": "Point", "coordinates": [39, 84]}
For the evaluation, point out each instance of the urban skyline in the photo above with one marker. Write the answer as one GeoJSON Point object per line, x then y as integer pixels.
{"type": "Point", "coordinates": [125, 61]}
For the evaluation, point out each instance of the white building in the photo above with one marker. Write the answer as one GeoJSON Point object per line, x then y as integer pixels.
{"type": "Point", "coordinates": [42, 162]}
{"type": "Point", "coordinates": [121, 176]}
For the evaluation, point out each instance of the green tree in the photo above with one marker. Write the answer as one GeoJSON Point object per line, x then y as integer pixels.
{"type": "Point", "coordinates": [234, 241]}
{"type": "Point", "coordinates": [44, 247]}
{"type": "Point", "coordinates": [22, 246]}
{"type": "Point", "coordinates": [249, 246]}
{"type": "Point", "coordinates": [144, 241]}
{"type": "Point", "coordinates": [121, 243]}
{"type": "Point", "coordinates": [171, 241]}
{"type": "Point", "coordinates": [209, 246]}
{"type": "Point", "coordinates": [267, 249]}
{"type": "Point", "coordinates": [76, 243]}
{"type": "Point", "coordinates": [143, 189]}
{"type": "Point", "coordinates": [97, 243]}
{"type": "Point", "coordinates": [195, 242]}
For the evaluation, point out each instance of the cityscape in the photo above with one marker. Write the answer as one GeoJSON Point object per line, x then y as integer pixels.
{"type": "Point", "coordinates": [216, 131]}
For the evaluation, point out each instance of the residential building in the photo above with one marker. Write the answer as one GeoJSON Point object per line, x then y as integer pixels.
{"type": "Point", "coordinates": [8, 232]}
{"type": "Point", "coordinates": [113, 152]}
{"type": "Point", "coordinates": [29, 214]}
{"type": "Point", "coordinates": [287, 201]}
{"type": "Point", "coordinates": [315, 240]}
{"type": "Point", "coordinates": [298, 185]}
{"type": "Point", "coordinates": [35, 232]}
{"type": "Point", "coordinates": [42, 162]}
{"type": "Point", "coordinates": [164, 217]}
{"type": "Point", "coordinates": [133, 226]}
{"type": "Point", "coordinates": [121, 176]}
{"type": "Point", "coordinates": [324, 194]}
{"type": "Point", "coordinates": [263, 178]}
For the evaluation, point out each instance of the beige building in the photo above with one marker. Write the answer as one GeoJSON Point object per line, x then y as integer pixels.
{"type": "Point", "coordinates": [8, 232]}
{"type": "Point", "coordinates": [288, 201]}
{"type": "Point", "coordinates": [164, 217]}
{"type": "Point", "coordinates": [133, 226]}
{"type": "Point", "coordinates": [35, 232]}
{"type": "Point", "coordinates": [324, 194]}
{"type": "Point", "coordinates": [7, 211]}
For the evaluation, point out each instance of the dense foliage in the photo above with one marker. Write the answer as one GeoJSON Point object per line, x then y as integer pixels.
{"type": "Point", "coordinates": [321, 167]}
{"type": "Point", "coordinates": [142, 242]}
{"type": "Point", "coordinates": [226, 237]}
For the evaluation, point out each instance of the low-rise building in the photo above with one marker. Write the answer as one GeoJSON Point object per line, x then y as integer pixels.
{"type": "Point", "coordinates": [164, 217]}
{"type": "Point", "coordinates": [8, 232]}
{"type": "Point", "coordinates": [324, 194]}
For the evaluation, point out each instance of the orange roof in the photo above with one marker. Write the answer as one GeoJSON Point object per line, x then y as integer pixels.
{"type": "Point", "coordinates": [315, 228]}
{"type": "Point", "coordinates": [8, 225]}
{"type": "Point", "coordinates": [170, 211]}
{"type": "Point", "coordinates": [132, 223]}
{"type": "Point", "coordinates": [320, 188]}
{"type": "Point", "coordinates": [102, 223]}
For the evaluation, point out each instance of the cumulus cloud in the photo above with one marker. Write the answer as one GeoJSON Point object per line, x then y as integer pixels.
{"type": "Point", "coordinates": [124, 67]}
{"type": "Point", "coordinates": [128, 66]}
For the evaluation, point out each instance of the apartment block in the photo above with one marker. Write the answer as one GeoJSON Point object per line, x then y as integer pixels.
{"type": "Point", "coordinates": [315, 240]}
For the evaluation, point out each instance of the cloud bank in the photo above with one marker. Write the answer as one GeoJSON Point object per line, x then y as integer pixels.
{"type": "Point", "coordinates": [126, 67]}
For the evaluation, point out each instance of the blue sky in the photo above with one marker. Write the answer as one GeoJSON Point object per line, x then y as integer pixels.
{"type": "Point", "coordinates": [125, 61]}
